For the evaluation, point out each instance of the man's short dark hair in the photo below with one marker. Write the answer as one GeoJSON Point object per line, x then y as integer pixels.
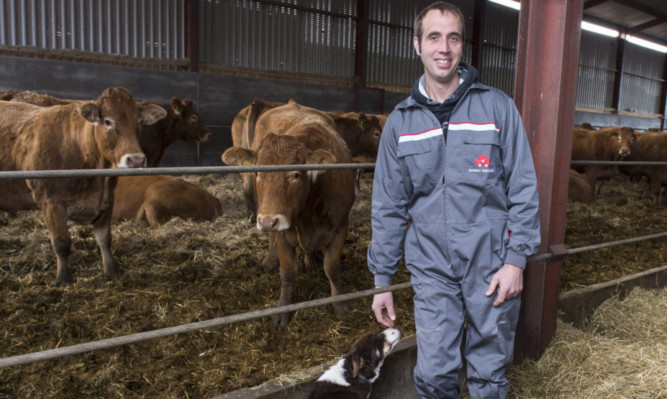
{"type": "Point", "coordinates": [443, 7]}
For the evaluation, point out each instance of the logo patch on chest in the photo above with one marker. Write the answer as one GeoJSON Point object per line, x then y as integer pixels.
{"type": "Point", "coordinates": [483, 162]}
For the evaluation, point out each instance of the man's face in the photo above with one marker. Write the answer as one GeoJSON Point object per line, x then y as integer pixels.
{"type": "Point", "coordinates": [441, 46]}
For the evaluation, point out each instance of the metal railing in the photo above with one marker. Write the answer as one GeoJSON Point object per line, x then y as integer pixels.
{"type": "Point", "coordinates": [217, 322]}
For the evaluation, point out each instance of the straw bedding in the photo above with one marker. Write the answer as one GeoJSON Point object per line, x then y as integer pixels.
{"type": "Point", "coordinates": [184, 272]}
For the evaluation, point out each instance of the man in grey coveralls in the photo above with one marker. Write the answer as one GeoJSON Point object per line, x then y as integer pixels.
{"type": "Point", "coordinates": [454, 161]}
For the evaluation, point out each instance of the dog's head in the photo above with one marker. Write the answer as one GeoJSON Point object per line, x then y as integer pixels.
{"type": "Point", "coordinates": [368, 353]}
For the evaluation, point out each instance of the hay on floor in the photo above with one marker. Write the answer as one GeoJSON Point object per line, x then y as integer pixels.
{"type": "Point", "coordinates": [622, 353]}
{"type": "Point", "coordinates": [184, 272]}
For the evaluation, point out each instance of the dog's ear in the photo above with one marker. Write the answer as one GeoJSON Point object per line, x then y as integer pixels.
{"type": "Point", "coordinates": [356, 363]}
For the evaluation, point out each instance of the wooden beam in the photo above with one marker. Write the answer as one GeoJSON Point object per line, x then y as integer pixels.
{"type": "Point", "coordinates": [593, 3]}
{"type": "Point", "coordinates": [545, 93]}
{"type": "Point", "coordinates": [646, 25]}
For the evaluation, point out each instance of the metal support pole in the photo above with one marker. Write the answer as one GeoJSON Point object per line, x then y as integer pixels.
{"type": "Point", "coordinates": [192, 33]}
{"type": "Point", "coordinates": [663, 96]}
{"type": "Point", "coordinates": [617, 94]}
{"type": "Point", "coordinates": [361, 54]}
{"type": "Point", "coordinates": [545, 93]}
{"type": "Point", "coordinates": [478, 22]}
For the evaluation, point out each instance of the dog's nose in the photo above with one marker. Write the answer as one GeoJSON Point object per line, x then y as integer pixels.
{"type": "Point", "coordinates": [392, 335]}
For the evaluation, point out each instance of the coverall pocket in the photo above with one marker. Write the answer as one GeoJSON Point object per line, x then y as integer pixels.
{"type": "Point", "coordinates": [419, 160]}
{"type": "Point", "coordinates": [480, 158]}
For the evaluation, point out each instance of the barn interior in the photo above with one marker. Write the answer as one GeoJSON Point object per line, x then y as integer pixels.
{"type": "Point", "coordinates": [352, 55]}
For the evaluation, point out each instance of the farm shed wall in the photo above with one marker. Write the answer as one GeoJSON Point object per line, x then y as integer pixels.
{"type": "Point", "coordinates": [218, 97]}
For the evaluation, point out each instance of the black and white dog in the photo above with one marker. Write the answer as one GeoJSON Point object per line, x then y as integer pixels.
{"type": "Point", "coordinates": [353, 375]}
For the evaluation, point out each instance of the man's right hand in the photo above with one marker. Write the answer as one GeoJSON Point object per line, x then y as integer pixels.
{"type": "Point", "coordinates": [383, 306]}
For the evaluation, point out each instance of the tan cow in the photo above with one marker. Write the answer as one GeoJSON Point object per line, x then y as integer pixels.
{"type": "Point", "coordinates": [158, 199]}
{"type": "Point", "coordinates": [650, 147]}
{"type": "Point", "coordinates": [182, 122]}
{"type": "Point", "coordinates": [82, 135]}
{"type": "Point", "coordinates": [606, 144]}
{"type": "Point", "coordinates": [306, 210]}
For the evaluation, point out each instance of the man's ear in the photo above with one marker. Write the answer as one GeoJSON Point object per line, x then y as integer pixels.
{"type": "Point", "coordinates": [415, 42]}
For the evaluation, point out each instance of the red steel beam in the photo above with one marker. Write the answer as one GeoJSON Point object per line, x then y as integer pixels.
{"type": "Point", "coordinates": [545, 94]}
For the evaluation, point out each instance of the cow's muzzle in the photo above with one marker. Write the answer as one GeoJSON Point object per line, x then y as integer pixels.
{"type": "Point", "coordinates": [272, 222]}
{"type": "Point", "coordinates": [137, 160]}
{"type": "Point", "coordinates": [624, 152]}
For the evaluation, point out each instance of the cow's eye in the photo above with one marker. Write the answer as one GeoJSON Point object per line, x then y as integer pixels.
{"type": "Point", "coordinates": [108, 122]}
{"type": "Point", "coordinates": [194, 118]}
{"type": "Point", "coordinates": [295, 175]}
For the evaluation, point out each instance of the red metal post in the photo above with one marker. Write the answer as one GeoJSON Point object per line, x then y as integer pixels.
{"type": "Point", "coordinates": [545, 93]}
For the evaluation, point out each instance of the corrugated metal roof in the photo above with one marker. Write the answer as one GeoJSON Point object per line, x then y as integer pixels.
{"type": "Point", "coordinates": [646, 19]}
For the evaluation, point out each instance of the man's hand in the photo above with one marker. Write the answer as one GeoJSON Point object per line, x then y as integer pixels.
{"type": "Point", "coordinates": [383, 307]}
{"type": "Point", "coordinates": [508, 281]}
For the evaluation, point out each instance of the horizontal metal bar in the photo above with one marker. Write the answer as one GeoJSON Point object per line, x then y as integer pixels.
{"type": "Point", "coordinates": [200, 170]}
{"type": "Point", "coordinates": [625, 163]}
{"type": "Point", "coordinates": [168, 331]}
{"type": "Point", "coordinates": [548, 255]}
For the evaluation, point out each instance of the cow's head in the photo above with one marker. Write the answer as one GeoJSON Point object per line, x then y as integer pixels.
{"type": "Point", "coordinates": [371, 132]}
{"type": "Point", "coordinates": [116, 118]}
{"type": "Point", "coordinates": [623, 139]}
{"type": "Point", "coordinates": [280, 195]}
{"type": "Point", "coordinates": [189, 126]}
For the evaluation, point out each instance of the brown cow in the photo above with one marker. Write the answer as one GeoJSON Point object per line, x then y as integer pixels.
{"type": "Point", "coordinates": [579, 190]}
{"type": "Point", "coordinates": [587, 126]}
{"type": "Point", "coordinates": [361, 132]}
{"type": "Point", "coordinates": [82, 135]}
{"type": "Point", "coordinates": [306, 210]}
{"type": "Point", "coordinates": [606, 144]}
{"type": "Point", "coordinates": [243, 132]}
{"type": "Point", "coordinates": [158, 199]}
{"type": "Point", "coordinates": [650, 147]}
{"type": "Point", "coordinates": [181, 123]}
{"type": "Point", "coordinates": [243, 125]}
{"type": "Point", "coordinates": [31, 97]}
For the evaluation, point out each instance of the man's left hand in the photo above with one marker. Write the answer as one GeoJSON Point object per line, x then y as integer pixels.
{"type": "Point", "coordinates": [508, 281]}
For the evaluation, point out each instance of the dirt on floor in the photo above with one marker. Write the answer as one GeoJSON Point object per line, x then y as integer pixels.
{"type": "Point", "coordinates": [184, 272]}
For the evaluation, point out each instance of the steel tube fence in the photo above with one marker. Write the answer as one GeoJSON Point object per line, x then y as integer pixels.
{"type": "Point", "coordinates": [217, 322]}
